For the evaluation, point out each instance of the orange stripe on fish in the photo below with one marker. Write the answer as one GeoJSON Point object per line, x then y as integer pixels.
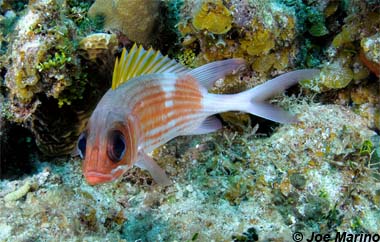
{"type": "Point", "coordinates": [163, 100]}
{"type": "Point", "coordinates": [180, 101]}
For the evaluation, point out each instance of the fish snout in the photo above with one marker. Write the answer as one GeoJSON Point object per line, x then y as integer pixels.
{"type": "Point", "coordinates": [97, 168]}
{"type": "Point", "coordinates": [94, 167]}
{"type": "Point", "coordinates": [94, 177]}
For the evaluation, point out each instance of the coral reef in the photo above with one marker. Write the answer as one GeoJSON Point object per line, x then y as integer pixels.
{"type": "Point", "coordinates": [350, 63]}
{"type": "Point", "coordinates": [262, 32]}
{"type": "Point", "coordinates": [237, 30]}
{"type": "Point", "coordinates": [353, 49]}
{"type": "Point", "coordinates": [250, 181]}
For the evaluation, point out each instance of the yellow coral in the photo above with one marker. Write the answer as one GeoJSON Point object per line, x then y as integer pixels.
{"type": "Point", "coordinates": [279, 61]}
{"type": "Point", "coordinates": [346, 36]}
{"type": "Point", "coordinates": [264, 63]}
{"type": "Point", "coordinates": [360, 71]}
{"type": "Point", "coordinates": [214, 17]}
{"type": "Point", "coordinates": [283, 58]}
{"type": "Point", "coordinates": [185, 28]}
{"type": "Point", "coordinates": [135, 18]}
{"type": "Point", "coordinates": [331, 8]}
{"type": "Point", "coordinates": [258, 43]}
{"type": "Point", "coordinates": [336, 75]}
{"type": "Point", "coordinates": [229, 50]}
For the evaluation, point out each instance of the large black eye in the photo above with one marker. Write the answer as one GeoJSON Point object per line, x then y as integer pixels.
{"type": "Point", "coordinates": [81, 146]}
{"type": "Point", "coordinates": [116, 146]}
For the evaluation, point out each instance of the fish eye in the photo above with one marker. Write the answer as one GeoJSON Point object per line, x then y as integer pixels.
{"type": "Point", "coordinates": [116, 146]}
{"type": "Point", "coordinates": [81, 146]}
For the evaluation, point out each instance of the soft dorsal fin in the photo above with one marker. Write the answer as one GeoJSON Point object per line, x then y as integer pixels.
{"type": "Point", "coordinates": [209, 73]}
{"type": "Point", "coordinates": [139, 62]}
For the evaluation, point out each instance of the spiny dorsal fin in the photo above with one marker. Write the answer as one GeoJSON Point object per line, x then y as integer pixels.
{"type": "Point", "coordinates": [140, 62]}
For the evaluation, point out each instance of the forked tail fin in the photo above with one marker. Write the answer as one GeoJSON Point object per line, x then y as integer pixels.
{"type": "Point", "coordinates": [281, 83]}
{"type": "Point", "coordinates": [253, 100]}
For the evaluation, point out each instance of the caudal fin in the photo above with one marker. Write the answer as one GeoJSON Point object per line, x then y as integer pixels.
{"type": "Point", "coordinates": [254, 98]}
{"type": "Point", "coordinates": [281, 83]}
{"type": "Point", "coordinates": [271, 112]}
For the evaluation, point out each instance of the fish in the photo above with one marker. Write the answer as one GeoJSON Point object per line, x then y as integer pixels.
{"type": "Point", "coordinates": [154, 99]}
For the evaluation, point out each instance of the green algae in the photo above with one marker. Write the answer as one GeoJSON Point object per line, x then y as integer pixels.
{"type": "Point", "coordinates": [57, 61]}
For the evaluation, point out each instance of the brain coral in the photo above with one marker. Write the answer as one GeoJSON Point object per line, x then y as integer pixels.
{"type": "Point", "coordinates": [134, 18]}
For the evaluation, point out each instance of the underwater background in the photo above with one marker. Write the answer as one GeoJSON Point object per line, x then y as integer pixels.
{"type": "Point", "coordinates": [253, 180]}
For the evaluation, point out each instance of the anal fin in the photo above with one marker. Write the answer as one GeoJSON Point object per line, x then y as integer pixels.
{"type": "Point", "coordinates": [147, 163]}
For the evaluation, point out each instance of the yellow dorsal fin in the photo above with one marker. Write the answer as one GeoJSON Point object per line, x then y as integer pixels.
{"type": "Point", "coordinates": [140, 62]}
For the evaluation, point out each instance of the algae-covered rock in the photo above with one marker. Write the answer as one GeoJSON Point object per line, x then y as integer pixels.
{"type": "Point", "coordinates": [371, 53]}
{"type": "Point", "coordinates": [46, 76]}
{"type": "Point", "coordinates": [97, 45]}
{"type": "Point", "coordinates": [135, 18]}
{"type": "Point", "coordinates": [336, 75]}
{"type": "Point", "coordinates": [376, 122]}
{"type": "Point", "coordinates": [42, 57]}
{"type": "Point", "coordinates": [347, 35]}
{"type": "Point", "coordinates": [371, 47]}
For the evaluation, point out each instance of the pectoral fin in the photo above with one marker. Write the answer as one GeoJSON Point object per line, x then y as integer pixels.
{"type": "Point", "coordinates": [147, 163]}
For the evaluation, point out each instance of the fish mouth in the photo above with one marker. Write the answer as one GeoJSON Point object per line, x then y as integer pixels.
{"type": "Point", "coordinates": [94, 177]}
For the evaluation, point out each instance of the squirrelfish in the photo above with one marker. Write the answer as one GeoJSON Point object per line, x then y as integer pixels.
{"type": "Point", "coordinates": [154, 99]}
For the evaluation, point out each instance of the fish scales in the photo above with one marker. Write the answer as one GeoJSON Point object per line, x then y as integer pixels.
{"type": "Point", "coordinates": [173, 103]}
